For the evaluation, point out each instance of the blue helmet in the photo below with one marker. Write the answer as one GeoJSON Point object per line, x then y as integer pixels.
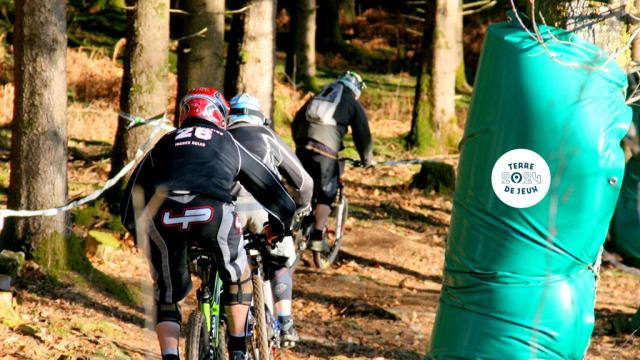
{"type": "Point", "coordinates": [353, 81]}
{"type": "Point", "coordinates": [245, 109]}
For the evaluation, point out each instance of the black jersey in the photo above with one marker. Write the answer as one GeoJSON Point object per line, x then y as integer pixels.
{"type": "Point", "coordinates": [201, 158]}
{"type": "Point", "coordinates": [271, 150]}
{"type": "Point", "coordinates": [348, 113]}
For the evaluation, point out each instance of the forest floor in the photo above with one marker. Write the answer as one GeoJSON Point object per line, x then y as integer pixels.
{"type": "Point", "coordinates": [378, 301]}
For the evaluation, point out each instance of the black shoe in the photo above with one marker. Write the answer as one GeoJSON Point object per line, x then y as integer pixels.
{"type": "Point", "coordinates": [237, 355]}
{"type": "Point", "coordinates": [288, 335]}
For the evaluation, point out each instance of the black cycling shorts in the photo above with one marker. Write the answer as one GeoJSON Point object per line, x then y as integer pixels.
{"type": "Point", "coordinates": [324, 172]}
{"type": "Point", "coordinates": [188, 220]}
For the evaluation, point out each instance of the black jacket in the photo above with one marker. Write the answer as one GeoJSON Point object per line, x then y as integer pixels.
{"type": "Point", "coordinates": [203, 159]}
{"type": "Point", "coordinates": [271, 150]}
{"type": "Point", "coordinates": [349, 113]}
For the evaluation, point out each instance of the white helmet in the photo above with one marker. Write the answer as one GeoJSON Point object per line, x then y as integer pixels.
{"type": "Point", "coordinates": [353, 81]}
{"type": "Point", "coordinates": [245, 109]}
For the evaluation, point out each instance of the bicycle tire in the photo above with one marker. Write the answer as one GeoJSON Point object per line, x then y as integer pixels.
{"type": "Point", "coordinates": [260, 339]}
{"type": "Point", "coordinates": [198, 339]}
{"type": "Point", "coordinates": [324, 259]}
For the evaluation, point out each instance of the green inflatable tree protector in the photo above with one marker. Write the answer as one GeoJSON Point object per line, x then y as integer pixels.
{"type": "Point", "coordinates": [540, 172]}
{"type": "Point", "coordinates": [625, 227]}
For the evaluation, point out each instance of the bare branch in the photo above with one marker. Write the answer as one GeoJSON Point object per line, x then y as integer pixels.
{"type": "Point", "coordinates": [475, 4]}
{"type": "Point", "coordinates": [412, 17]}
{"type": "Point", "coordinates": [199, 33]}
{"type": "Point", "coordinates": [231, 12]}
{"type": "Point", "coordinates": [487, 5]}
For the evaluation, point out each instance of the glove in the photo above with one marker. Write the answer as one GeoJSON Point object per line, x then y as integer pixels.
{"type": "Point", "coordinates": [270, 235]}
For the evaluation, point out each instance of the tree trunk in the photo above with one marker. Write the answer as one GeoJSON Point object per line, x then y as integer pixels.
{"type": "Point", "coordinates": [38, 177]}
{"type": "Point", "coordinates": [201, 57]}
{"type": "Point", "coordinates": [586, 19]}
{"type": "Point", "coordinates": [462, 85]}
{"type": "Point", "coordinates": [635, 49]}
{"type": "Point", "coordinates": [328, 35]}
{"type": "Point", "coordinates": [145, 85]}
{"type": "Point", "coordinates": [348, 9]}
{"type": "Point", "coordinates": [301, 57]}
{"type": "Point", "coordinates": [251, 54]}
{"type": "Point", "coordinates": [433, 118]}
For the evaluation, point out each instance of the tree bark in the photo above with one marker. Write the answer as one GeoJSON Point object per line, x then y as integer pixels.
{"type": "Point", "coordinates": [635, 49]}
{"type": "Point", "coordinates": [348, 8]}
{"type": "Point", "coordinates": [301, 57]}
{"type": "Point", "coordinates": [201, 57]}
{"type": "Point", "coordinates": [433, 119]}
{"type": "Point", "coordinates": [38, 177]}
{"type": "Point", "coordinates": [251, 53]}
{"type": "Point", "coordinates": [462, 85]}
{"type": "Point", "coordinates": [587, 19]}
{"type": "Point", "coordinates": [145, 86]}
{"type": "Point", "coordinates": [328, 35]}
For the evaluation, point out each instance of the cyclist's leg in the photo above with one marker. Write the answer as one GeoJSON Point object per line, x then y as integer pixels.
{"type": "Point", "coordinates": [236, 276]}
{"type": "Point", "coordinates": [324, 171]}
{"type": "Point", "coordinates": [282, 287]}
{"type": "Point", "coordinates": [251, 214]}
{"type": "Point", "coordinates": [325, 192]}
{"type": "Point", "coordinates": [168, 263]}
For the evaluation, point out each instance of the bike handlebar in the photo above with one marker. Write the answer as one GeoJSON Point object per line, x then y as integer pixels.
{"type": "Point", "coordinates": [255, 241]}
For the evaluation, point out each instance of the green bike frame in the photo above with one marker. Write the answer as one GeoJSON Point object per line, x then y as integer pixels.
{"type": "Point", "coordinates": [210, 307]}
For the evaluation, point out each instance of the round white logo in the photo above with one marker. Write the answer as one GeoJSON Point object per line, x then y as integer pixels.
{"type": "Point", "coordinates": [521, 178]}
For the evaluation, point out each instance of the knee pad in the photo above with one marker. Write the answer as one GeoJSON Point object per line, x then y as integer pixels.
{"type": "Point", "coordinates": [240, 292]}
{"type": "Point", "coordinates": [168, 312]}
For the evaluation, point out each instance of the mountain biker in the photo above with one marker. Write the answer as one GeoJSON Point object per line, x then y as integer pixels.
{"type": "Point", "coordinates": [318, 129]}
{"type": "Point", "coordinates": [246, 123]}
{"type": "Point", "coordinates": [195, 167]}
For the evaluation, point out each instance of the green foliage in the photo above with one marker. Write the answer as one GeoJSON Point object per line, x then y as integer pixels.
{"type": "Point", "coordinates": [57, 253]}
{"type": "Point", "coordinates": [88, 215]}
{"type": "Point", "coordinates": [97, 212]}
{"type": "Point", "coordinates": [120, 290]}
{"type": "Point", "coordinates": [173, 62]}
{"type": "Point", "coordinates": [6, 18]}
{"type": "Point", "coordinates": [96, 23]}
{"type": "Point", "coordinates": [105, 238]}
{"type": "Point", "coordinates": [280, 115]}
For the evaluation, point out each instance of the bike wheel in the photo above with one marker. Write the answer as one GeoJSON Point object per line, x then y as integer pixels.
{"type": "Point", "coordinates": [336, 224]}
{"type": "Point", "coordinates": [198, 340]}
{"type": "Point", "coordinates": [261, 350]}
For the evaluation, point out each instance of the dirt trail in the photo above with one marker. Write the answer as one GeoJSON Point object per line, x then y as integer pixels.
{"type": "Point", "coordinates": [377, 302]}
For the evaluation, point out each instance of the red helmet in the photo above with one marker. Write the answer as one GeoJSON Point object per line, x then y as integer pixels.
{"type": "Point", "coordinates": [205, 103]}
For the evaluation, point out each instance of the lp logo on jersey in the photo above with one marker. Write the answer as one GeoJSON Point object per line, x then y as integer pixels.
{"type": "Point", "coordinates": [198, 215]}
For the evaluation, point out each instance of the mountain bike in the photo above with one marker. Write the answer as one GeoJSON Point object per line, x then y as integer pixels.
{"type": "Point", "coordinates": [334, 228]}
{"type": "Point", "coordinates": [206, 328]}
{"type": "Point", "coordinates": [263, 327]}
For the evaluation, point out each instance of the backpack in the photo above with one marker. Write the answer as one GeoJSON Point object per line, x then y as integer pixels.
{"type": "Point", "coordinates": [323, 105]}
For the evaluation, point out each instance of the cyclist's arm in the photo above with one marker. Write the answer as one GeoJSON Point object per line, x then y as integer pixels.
{"type": "Point", "coordinates": [265, 187]}
{"type": "Point", "coordinates": [140, 176]}
{"type": "Point", "coordinates": [362, 134]}
{"type": "Point", "coordinates": [295, 175]}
